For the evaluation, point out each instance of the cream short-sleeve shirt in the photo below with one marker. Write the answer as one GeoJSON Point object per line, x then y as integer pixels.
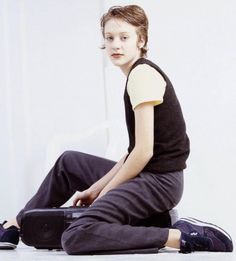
{"type": "Point", "coordinates": [145, 84]}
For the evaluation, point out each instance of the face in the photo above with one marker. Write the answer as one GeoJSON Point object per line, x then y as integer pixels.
{"type": "Point", "coordinates": [122, 43]}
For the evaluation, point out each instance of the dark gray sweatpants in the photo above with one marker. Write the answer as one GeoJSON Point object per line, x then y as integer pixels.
{"type": "Point", "coordinates": [111, 223]}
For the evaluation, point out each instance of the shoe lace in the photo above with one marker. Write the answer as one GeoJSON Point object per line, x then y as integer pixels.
{"type": "Point", "coordinates": [196, 243]}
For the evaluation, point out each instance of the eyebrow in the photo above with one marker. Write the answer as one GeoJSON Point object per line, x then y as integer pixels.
{"type": "Point", "coordinates": [119, 33]}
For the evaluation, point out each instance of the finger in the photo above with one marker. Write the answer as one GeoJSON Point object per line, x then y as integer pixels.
{"type": "Point", "coordinates": [79, 203]}
{"type": "Point", "coordinates": [75, 201]}
{"type": "Point", "coordinates": [78, 196]}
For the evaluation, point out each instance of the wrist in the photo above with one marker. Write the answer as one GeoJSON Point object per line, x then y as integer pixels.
{"type": "Point", "coordinates": [102, 193]}
{"type": "Point", "coordinates": [105, 190]}
{"type": "Point", "coordinates": [94, 189]}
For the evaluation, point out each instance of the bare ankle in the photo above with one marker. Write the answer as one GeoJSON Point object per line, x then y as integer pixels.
{"type": "Point", "coordinates": [173, 238]}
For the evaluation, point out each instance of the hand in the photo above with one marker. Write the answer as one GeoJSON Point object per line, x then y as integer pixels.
{"type": "Point", "coordinates": [85, 198]}
{"type": "Point", "coordinates": [102, 193]}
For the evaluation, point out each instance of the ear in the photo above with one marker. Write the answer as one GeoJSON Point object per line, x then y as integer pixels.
{"type": "Point", "coordinates": [141, 43]}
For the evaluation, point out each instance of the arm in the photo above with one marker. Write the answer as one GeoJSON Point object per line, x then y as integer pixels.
{"type": "Point", "coordinates": [143, 150]}
{"type": "Point", "coordinates": [87, 196]}
{"type": "Point", "coordinates": [101, 183]}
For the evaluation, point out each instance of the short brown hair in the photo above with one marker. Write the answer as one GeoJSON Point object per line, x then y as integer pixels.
{"type": "Point", "coordinates": [132, 14]}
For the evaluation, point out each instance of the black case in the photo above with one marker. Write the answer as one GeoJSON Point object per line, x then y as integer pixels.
{"type": "Point", "coordinates": [42, 228]}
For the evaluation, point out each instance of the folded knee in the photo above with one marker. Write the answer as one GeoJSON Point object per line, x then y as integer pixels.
{"type": "Point", "coordinates": [68, 155]}
{"type": "Point", "coordinates": [76, 240]}
{"type": "Point", "coordinates": [70, 241]}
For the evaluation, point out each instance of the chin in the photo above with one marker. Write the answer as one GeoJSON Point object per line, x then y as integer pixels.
{"type": "Point", "coordinates": [117, 63]}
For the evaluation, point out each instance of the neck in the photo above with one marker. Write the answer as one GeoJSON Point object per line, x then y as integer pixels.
{"type": "Point", "coordinates": [126, 67]}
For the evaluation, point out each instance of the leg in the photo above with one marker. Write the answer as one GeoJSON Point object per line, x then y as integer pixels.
{"type": "Point", "coordinates": [111, 223]}
{"type": "Point", "coordinates": [173, 238]}
{"type": "Point", "coordinates": [72, 171]}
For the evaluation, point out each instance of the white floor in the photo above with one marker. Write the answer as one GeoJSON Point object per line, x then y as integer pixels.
{"type": "Point", "coordinates": [25, 253]}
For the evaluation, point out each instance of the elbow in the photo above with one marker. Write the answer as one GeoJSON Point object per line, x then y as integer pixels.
{"type": "Point", "coordinates": [149, 154]}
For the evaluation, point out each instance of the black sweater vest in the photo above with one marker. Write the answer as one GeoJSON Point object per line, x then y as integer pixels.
{"type": "Point", "coordinates": [171, 143]}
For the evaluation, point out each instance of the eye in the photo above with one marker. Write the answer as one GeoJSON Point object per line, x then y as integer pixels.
{"type": "Point", "coordinates": [109, 38]}
{"type": "Point", "coordinates": [124, 38]}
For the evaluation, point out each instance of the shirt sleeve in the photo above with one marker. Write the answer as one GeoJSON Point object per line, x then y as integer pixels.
{"type": "Point", "coordinates": [145, 84]}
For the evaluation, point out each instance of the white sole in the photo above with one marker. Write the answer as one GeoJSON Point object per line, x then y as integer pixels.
{"type": "Point", "coordinates": [6, 245]}
{"type": "Point", "coordinates": [200, 223]}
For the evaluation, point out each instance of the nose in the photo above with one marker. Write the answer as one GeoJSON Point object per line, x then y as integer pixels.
{"type": "Point", "coordinates": [116, 44]}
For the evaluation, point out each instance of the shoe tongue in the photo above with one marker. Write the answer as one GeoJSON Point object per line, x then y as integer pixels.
{"type": "Point", "coordinates": [4, 222]}
{"type": "Point", "coordinates": [11, 227]}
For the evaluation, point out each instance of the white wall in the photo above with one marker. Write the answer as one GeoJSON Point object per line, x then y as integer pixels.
{"type": "Point", "coordinates": [46, 82]}
{"type": "Point", "coordinates": [51, 90]}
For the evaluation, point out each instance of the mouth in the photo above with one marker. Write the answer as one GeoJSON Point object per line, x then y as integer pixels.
{"type": "Point", "coordinates": [116, 55]}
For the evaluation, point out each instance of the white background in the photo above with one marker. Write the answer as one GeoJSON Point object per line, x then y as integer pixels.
{"type": "Point", "coordinates": [58, 90]}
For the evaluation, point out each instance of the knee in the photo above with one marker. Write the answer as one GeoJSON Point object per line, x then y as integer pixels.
{"type": "Point", "coordinates": [67, 155]}
{"type": "Point", "coordinates": [68, 158]}
{"type": "Point", "coordinates": [76, 241]}
{"type": "Point", "coordinates": [66, 243]}
{"type": "Point", "coordinates": [70, 241]}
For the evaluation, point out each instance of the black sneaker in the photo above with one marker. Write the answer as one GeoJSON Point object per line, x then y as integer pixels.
{"type": "Point", "coordinates": [9, 238]}
{"type": "Point", "coordinates": [197, 235]}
